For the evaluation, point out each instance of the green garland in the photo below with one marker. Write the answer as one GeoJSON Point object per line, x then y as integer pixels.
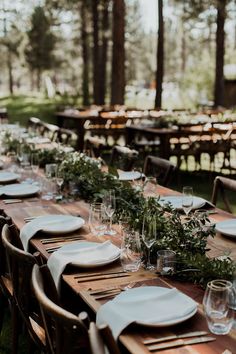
{"type": "Point", "coordinates": [188, 239]}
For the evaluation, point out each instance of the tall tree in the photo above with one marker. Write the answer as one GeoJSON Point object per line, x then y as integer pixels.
{"type": "Point", "coordinates": [220, 51]}
{"type": "Point", "coordinates": [85, 52]}
{"type": "Point", "coordinates": [104, 51]}
{"type": "Point", "coordinates": [96, 48]}
{"type": "Point", "coordinates": [118, 53]}
{"type": "Point", "coordinates": [160, 56]}
{"type": "Point", "coordinates": [41, 43]}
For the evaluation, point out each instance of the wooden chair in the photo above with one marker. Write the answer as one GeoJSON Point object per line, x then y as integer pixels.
{"type": "Point", "coordinates": [123, 157]}
{"type": "Point", "coordinates": [35, 124]}
{"type": "Point", "coordinates": [20, 265]}
{"type": "Point", "coordinates": [101, 338]}
{"type": "Point", "coordinates": [160, 168]}
{"type": "Point", "coordinates": [94, 146]}
{"type": "Point", "coordinates": [6, 291]}
{"type": "Point", "coordinates": [66, 136]}
{"type": "Point", "coordinates": [66, 332]}
{"type": "Point", "coordinates": [221, 184]}
{"type": "Point", "coordinates": [50, 131]}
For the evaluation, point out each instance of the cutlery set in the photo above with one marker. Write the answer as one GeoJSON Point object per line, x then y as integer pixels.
{"type": "Point", "coordinates": [173, 341]}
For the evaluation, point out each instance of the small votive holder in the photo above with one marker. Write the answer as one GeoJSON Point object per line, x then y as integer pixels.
{"type": "Point", "coordinates": [166, 262]}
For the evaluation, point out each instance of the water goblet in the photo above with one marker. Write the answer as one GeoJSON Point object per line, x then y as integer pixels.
{"type": "Point", "coordinates": [187, 199]}
{"type": "Point", "coordinates": [149, 234]}
{"type": "Point", "coordinates": [109, 202]}
{"type": "Point", "coordinates": [217, 302]}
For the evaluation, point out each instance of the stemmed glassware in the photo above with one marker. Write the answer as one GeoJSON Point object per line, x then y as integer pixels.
{"type": "Point", "coordinates": [109, 202]}
{"type": "Point", "coordinates": [149, 234]}
{"type": "Point", "coordinates": [35, 162]}
{"type": "Point", "coordinates": [187, 199]}
{"type": "Point", "coordinates": [59, 181]}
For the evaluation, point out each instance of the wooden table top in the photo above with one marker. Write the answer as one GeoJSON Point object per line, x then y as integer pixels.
{"type": "Point", "coordinates": [132, 338]}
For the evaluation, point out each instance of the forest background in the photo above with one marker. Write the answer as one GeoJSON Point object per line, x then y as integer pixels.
{"type": "Point", "coordinates": [103, 51]}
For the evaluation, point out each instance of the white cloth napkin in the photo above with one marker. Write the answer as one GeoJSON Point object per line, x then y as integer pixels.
{"type": "Point", "coordinates": [81, 254]}
{"type": "Point", "coordinates": [144, 305]}
{"type": "Point", "coordinates": [49, 222]}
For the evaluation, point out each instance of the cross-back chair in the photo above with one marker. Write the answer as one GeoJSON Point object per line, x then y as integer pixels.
{"type": "Point", "coordinates": [66, 332]}
{"type": "Point", "coordinates": [221, 185]}
{"type": "Point", "coordinates": [35, 124]}
{"type": "Point", "coordinates": [123, 157]}
{"type": "Point", "coordinates": [66, 136]}
{"type": "Point", "coordinates": [160, 168]}
{"type": "Point", "coordinates": [94, 146]}
{"type": "Point", "coordinates": [20, 265]}
{"type": "Point", "coordinates": [102, 340]}
{"type": "Point", "coordinates": [50, 131]}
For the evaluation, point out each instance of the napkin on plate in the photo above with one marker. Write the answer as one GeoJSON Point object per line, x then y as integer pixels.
{"type": "Point", "coordinates": [38, 224]}
{"type": "Point", "coordinates": [81, 254]}
{"type": "Point", "coordinates": [145, 305]}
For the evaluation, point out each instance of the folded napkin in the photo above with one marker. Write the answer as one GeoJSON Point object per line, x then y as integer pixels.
{"type": "Point", "coordinates": [49, 223]}
{"type": "Point", "coordinates": [145, 305]}
{"type": "Point", "coordinates": [81, 254]}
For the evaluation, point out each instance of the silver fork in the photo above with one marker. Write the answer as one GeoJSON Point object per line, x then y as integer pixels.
{"type": "Point", "coordinates": [99, 295]}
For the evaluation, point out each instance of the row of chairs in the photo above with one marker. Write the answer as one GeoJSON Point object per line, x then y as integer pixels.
{"type": "Point", "coordinates": [36, 305]}
{"type": "Point", "coordinates": [52, 131]}
{"type": "Point", "coordinates": [125, 158]}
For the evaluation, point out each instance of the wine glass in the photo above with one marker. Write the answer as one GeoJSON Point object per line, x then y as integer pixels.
{"type": "Point", "coordinates": [149, 233]}
{"type": "Point", "coordinates": [59, 181]}
{"type": "Point", "coordinates": [187, 199]}
{"type": "Point", "coordinates": [109, 202]}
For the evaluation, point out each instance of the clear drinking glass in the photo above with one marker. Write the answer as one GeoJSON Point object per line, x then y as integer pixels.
{"type": "Point", "coordinates": [131, 256]}
{"type": "Point", "coordinates": [149, 234]}
{"type": "Point", "coordinates": [35, 162]}
{"type": "Point", "coordinates": [96, 219]}
{"type": "Point", "coordinates": [165, 261]}
{"type": "Point", "coordinates": [109, 202]}
{"type": "Point", "coordinates": [187, 199]}
{"type": "Point", "coordinates": [217, 302]}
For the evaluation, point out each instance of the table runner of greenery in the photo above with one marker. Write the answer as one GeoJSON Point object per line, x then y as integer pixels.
{"type": "Point", "coordinates": [188, 239]}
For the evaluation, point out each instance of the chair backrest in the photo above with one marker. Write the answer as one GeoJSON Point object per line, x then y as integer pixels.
{"type": "Point", "coordinates": [67, 136]}
{"type": "Point", "coordinates": [160, 168]}
{"type": "Point", "coordinates": [94, 146]}
{"type": "Point", "coordinates": [35, 124]}
{"type": "Point", "coordinates": [123, 157]}
{"type": "Point", "coordinates": [66, 333]}
{"type": "Point", "coordinates": [221, 185]}
{"type": "Point", "coordinates": [20, 265]}
{"type": "Point", "coordinates": [102, 340]}
{"type": "Point", "coordinates": [50, 131]}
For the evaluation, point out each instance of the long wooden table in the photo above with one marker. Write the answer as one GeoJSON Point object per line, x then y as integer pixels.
{"type": "Point", "coordinates": [132, 338]}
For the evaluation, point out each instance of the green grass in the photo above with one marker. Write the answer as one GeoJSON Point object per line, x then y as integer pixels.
{"type": "Point", "coordinates": [20, 108]}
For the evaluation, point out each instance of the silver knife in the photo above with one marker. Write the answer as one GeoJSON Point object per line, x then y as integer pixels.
{"type": "Point", "coordinates": [180, 342]}
{"type": "Point", "coordinates": [175, 336]}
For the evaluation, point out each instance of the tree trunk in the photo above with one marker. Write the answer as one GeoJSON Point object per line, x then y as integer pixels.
{"type": "Point", "coordinates": [85, 55]}
{"type": "Point", "coordinates": [9, 67]}
{"type": "Point", "coordinates": [103, 54]}
{"type": "Point", "coordinates": [118, 53]}
{"type": "Point", "coordinates": [160, 56]}
{"type": "Point", "coordinates": [220, 50]}
{"type": "Point", "coordinates": [38, 79]}
{"type": "Point", "coordinates": [95, 51]}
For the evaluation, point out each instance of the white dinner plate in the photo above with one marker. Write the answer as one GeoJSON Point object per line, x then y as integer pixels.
{"type": "Point", "coordinates": [227, 227]}
{"type": "Point", "coordinates": [8, 177]}
{"type": "Point", "coordinates": [19, 190]}
{"type": "Point", "coordinates": [143, 292]}
{"type": "Point", "coordinates": [112, 254]}
{"type": "Point", "coordinates": [176, 202]}
{"type": "Point", "coordinates": [58, 223]}
{"type": "Point", "coordinates": [129, 175]}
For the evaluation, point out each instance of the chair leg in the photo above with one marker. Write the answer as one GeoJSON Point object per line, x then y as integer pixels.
{"type": "Point", "coordinates": [15, 328]}
{"type": "Point", "coordinates": [3, 304]}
